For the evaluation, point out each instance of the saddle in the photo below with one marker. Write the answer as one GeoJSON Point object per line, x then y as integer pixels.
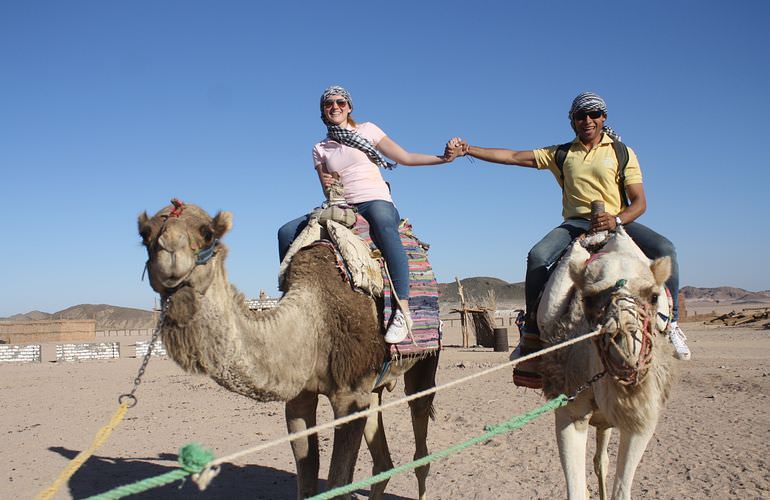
{"type": "Point", "coordinates": [556, 294]}
{"type": "Point", "coordinates": [362, 266]}
{"type": "Point", "coordinates": [353, 254]}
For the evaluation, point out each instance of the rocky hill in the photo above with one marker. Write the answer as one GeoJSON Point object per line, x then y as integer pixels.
{"type": "Point", "coordinates": [507, 296]}
{"type": "Point", "coordinates": [477, 290]}
{"type": "Point", "coordinates": [107, 317]}
{"type": "Point", "coordinates": [725, 294]}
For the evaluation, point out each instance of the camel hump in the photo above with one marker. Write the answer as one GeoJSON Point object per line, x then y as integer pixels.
{"type": "Point", "coordinates": [556, 295]}
{"type": "Point", "coordinates": [354, 254]}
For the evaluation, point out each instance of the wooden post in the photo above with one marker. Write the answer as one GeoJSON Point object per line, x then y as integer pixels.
{"type": "Point", "coordinates": [463, 313]}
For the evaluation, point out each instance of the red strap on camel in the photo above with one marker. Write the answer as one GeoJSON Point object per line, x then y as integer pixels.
{"type": "Point", "coordinates": [178, 207]}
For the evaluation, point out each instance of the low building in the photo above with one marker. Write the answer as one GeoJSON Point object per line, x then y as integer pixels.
{"type": "Point", "coordinates": [56, 330]}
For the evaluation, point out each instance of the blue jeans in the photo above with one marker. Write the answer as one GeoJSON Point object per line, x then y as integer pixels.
{"type": "Point", "coordinates": [548, 251]}
{"type": "Point", "coordinates": [383, 219]}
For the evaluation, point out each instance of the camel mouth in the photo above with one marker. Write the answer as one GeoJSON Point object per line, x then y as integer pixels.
{"type": "Point", "coordinates": [172, 283]}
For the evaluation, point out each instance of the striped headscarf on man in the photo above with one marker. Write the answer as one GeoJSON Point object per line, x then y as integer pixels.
{"type": "Point", "coordinates": [588, 101]}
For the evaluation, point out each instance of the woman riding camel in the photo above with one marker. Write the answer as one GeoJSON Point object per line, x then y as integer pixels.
{"type": "Point", "coordinates": [354, 152]}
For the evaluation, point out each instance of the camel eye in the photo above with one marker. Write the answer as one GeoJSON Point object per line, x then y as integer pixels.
{"type": "Point", "coordinates": [207, 233]}
{"type": "Point", "coordinates": [655, 297]}
{"type": "Point", "coordinates": [145, 232]}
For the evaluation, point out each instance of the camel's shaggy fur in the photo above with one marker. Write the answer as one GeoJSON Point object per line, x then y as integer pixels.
{"type": "Point", "coordinates": [633, 409]}
{"type": "Point", "coordinates": [323, 338]}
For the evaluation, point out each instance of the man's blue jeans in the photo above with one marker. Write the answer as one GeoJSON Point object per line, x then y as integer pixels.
{"type": "Point", "coordinates": [548, 251]}
{"type": "Point", "coordinates": [383, 219]}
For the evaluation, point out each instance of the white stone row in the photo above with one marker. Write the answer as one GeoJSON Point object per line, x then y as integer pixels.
{"type": "Point", "coordinates": [125, 333]}
{"type": "Point", "coordinates": [80, 352]}
{"type": "Point", "coordinates": [158, 349]}
{"type": "Point", "coordinates": [261, 304]}
{"type": "Point", "coordinates": [29, 353]}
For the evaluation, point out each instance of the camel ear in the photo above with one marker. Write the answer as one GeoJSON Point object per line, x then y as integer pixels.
{"type": "Point", "coordinates": [144, 226]}
{"type": "Point", "coordinates": [661, 269]}
{"type": "Point", "coordinates": [577, 271]}
{"type": "Point", "coordinates": [221, 224]}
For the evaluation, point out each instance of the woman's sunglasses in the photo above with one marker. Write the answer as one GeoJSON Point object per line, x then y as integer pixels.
{"type": "Point", "coordinates": [581, 115]}
{"type": "Point", "coordinates": [341, 103]}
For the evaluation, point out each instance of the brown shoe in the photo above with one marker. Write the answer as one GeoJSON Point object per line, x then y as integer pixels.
{"type": "Point", "coordinates": [527, 373]}
{"type": "Point", "coordinates": [530, 380]}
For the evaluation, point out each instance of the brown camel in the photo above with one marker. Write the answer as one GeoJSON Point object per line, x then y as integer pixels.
{"type": "Point", "coordinates": [618, 290]}
{"type": "Point", "coordinates": [323, 338]}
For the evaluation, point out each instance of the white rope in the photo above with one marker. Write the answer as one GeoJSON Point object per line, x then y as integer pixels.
{"type": "Point", "coordinates": [365, 413]}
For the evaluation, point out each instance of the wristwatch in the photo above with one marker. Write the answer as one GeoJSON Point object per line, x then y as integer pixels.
{"type": "Point", "coordinates": [618, 222]}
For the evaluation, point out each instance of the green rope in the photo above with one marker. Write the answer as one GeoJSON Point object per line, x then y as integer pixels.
{"type": "Point", "coordinates": [192, 458]}
{"type": "Point", "coordinates": [492, 430]}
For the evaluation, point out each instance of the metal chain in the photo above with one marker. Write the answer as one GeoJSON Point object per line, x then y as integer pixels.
{"type": "Point", "coordinates": [586, 385]}
{"type": "Point", "coordinates": [138, 379]}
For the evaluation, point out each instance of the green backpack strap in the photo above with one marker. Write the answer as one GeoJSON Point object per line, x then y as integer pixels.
{"type": "Point", "coordinates": [621, 153]}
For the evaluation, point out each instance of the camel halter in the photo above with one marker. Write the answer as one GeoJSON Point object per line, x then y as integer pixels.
{"type": "Point", "coordinates": [626, 372]}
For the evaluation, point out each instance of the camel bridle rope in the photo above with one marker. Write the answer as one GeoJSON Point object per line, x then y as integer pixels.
{"type": "Point", "coordinates": [627, 371]}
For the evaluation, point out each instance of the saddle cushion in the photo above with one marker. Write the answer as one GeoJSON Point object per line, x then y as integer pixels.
{"type": "Point", "coordinates": [557, 292]}
{"type": "Point", "coordinates": [423, 293]}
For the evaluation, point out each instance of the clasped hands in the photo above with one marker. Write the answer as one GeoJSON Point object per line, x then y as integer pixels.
{"type": "Point", "coordinates": [455, 147]}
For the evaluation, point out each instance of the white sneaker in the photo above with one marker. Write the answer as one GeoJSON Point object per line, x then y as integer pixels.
{"type": "Point", "coordinates": [677, 337]}
{"type": "Point", "coordinates": [398, 329]}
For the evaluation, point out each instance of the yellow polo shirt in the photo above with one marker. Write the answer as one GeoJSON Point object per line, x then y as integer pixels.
{"type": "Point", "coordinates": [589, 175]}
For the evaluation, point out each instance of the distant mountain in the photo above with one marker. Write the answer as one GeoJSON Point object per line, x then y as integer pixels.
{"type": "Point", "coordinates": [725, 294]}
{"type": "Point", "coordinates": [476, 291]}
{"type": "Point", "coordinates": [107, 317]}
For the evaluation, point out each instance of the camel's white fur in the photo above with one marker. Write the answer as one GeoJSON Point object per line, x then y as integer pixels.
{"type": "Point", "coordinates": [575, 300]}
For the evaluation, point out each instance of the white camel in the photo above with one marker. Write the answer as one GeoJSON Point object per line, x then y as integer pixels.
{"type": "Point", "coordinates": [620, 291]}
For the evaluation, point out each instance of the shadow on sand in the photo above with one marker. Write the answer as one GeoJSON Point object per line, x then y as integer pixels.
{"type": "Point", "coordinates": [100, 474]}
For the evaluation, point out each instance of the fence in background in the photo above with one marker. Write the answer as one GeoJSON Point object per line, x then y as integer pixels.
{"type": "Point", "coordinates": [125, 333]}
{"type": "Point", "coordinates": [80, 352]}
{"type": "Point", "coordinates": [158, 349]}
{"type": "Point", "coordinates": [20, 353]}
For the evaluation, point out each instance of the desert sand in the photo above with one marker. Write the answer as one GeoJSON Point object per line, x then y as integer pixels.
{"type": "Point", "coordinates": [713, 440]}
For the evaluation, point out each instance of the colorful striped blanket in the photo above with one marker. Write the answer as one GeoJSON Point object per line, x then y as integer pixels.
{"type": "Point", "coordinates": [423, 293]}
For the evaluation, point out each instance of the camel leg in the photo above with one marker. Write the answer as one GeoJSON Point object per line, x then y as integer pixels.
{"type": "Point", "coordinates": [571, 436]}
{"type": "Point", "coordinates": [422, 376]}
{"type": "Point", "coordinates": [630, 451]}
{"type": "Point", "coordinates": [301, 415]}
{"type": "Point", "coordinates": [374, 433]}
{"type": "Point", "coordinates": [602, 459]}
{"type": "Point", "coordinates": [347, 437]}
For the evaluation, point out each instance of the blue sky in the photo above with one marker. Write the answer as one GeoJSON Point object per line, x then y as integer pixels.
{"type": "Point", "coordinates": [111, 108]}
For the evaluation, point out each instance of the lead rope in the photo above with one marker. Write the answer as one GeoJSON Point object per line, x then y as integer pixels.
{"type": "Point", "coordinates": [125, 401]}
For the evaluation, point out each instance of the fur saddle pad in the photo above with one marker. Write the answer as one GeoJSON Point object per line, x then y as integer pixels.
{"type": "Point", "coordinates": [555, 298]}
{"type": "Point", "coordinates": [353, 255]}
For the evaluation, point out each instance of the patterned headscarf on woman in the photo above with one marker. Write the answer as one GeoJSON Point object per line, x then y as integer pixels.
{"type": "Point", "coordinates": [348, 137]}
{"type": "Point", "coordinates": [588, 101]}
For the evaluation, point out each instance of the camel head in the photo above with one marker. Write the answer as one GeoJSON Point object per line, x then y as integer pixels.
{"type": "Point", "coordinates": [620, 292]}
{"type": "Point", "coordinates": [181, 241]}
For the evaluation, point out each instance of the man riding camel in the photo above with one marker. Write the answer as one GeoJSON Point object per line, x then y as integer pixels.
{"type": "Point", "coordinates": [588, 168]}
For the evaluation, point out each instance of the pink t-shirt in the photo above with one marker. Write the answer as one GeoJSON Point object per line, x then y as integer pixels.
{"type": "Point", "coordinates": [360, 177]}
